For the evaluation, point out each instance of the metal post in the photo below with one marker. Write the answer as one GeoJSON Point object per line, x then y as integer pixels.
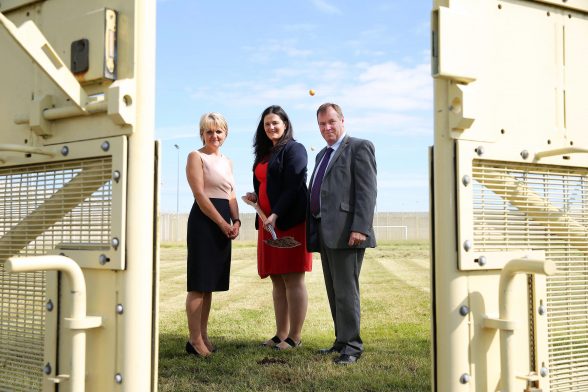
{"type": "Point", "coordinates": [177, 229]}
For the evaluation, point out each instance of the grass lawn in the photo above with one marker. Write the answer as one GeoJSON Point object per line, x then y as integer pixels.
{"type": "Point", "coordinates": [395, 299]}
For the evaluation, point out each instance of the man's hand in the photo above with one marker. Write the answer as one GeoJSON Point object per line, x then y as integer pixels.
{"type": "Point", "coordinates": [356, 238]}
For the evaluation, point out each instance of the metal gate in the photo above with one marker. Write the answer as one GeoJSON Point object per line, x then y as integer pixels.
{"type": "Point", "coordinates": [510, 254]}
{"type": "Point", "coordinates": [78, 167]}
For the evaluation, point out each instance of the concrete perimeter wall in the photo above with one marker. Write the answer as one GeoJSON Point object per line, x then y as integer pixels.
{"type": "Point", "coordinates": [387, 225]}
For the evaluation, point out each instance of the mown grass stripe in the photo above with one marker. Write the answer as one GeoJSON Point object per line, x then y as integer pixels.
{"type": "Point", "coordinates": [395, 329]}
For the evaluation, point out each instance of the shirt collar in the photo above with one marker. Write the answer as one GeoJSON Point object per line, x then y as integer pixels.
{"type": "Point", "coordinates": [336, 145]}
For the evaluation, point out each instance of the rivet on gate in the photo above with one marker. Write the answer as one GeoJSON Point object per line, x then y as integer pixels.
{"type": "Point", "coordinates": [465, 378]}
{"type": "Point", "coordinates": [49, 306]}
{"type": "Point", "coordinates": [467, 245]}
{"type": "Point", "coordinates": [64, 150]}
{"type": "Point", "coordinates": [480, 150]}
{"type": "Point", "coordinates": [120, 309]}
{"type": "Point", "coordinates": [465, 180]}
{"type": "Point", "coordinates": [116, 175]}
{"type": "Point", "coordinates": [525, 154]}
{"type": "Point", "coordinates": [118, 378]}
{"type": "Point", "coordinates": [47, 368]}
{"type": "Point", "coordinates": [543, 372]}
{"type": "Point", "coordinates": [464, 310]}
{"type": "Point", "coordinates": [103, 259]}
{"type": "Point", "coordinates": [115, 242]}
{"type": "Point", "coordinates": [482, 261]}
{"type": "Point", "coordinates": [105, 146]}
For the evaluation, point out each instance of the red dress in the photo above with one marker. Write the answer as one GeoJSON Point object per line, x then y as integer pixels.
{"type": "Point", "coordinates": [276, 261]}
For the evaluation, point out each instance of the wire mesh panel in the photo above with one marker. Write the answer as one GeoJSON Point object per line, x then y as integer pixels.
{"type": "Point", "coordinates": [22, 330]}
{"type": "Point", "coordinates": [41, 207]}
{"type": "Point", "coordinates": [541, 207]}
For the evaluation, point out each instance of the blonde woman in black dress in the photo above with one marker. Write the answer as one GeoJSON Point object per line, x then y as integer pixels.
{"type": "Point", "coordinates": [213, 223]}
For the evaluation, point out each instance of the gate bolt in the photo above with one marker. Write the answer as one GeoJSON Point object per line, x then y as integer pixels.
{"type": "Point", "coordinates": [464, 310]}
{"type": "Point", "coordinates": [525, 154]}
{"type": "Point", "coordinates": [64, 150]}
{"type": "Point", "coordinates": [118, 378]}
{"type": "Point", "coordinates": [105, 146]}
{"type": "Point", "coordinates": [467, 245]}
{"type": "Point", "coordinates": [542, 310]}
{"type": "Point", "coordinates": [120, 309]}
{"type": "Point", "coordinates": [49, 306]}
{"type": "Point", "coordinates": [115, 242]}
{"type": "Point", "coordinates": [116, 175]}
{"type": "Point", "coordinates": [465, 378]}
{"type": "Point", "coordinates": [47, 368]}
{"type": "Point", "coordinates": [465, 180]}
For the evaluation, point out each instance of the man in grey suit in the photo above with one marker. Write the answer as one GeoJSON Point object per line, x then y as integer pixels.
{"type": "Point", "coordinates": [342, 200]}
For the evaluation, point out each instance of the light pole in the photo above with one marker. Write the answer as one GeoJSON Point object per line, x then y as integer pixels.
{"type": "Point", "coordinates": [178, 195]}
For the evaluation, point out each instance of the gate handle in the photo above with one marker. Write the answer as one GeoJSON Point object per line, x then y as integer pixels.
{"type": "Point", "coordinates": [559, 151]}
{"type": "Point", "coordinates": [504, 322]}
{"type": "Point", "coordinates": [79, 321]}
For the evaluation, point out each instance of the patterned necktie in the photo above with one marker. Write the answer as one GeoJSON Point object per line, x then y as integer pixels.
{"type": "Point", "coordinates": [315, 193]}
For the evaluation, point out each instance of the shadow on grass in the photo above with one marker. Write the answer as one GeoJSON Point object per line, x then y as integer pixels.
{"type": "Point", "coordinates": [400, 362]}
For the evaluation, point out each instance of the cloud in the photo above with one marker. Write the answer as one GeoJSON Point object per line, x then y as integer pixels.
{"type": "Point", "coordinates": [273, 49]}
{"type": "Point", "coordinates": [300, 28]}
{"type": "Point", "coordinates": [390, 123]}
{"type": "Point", "coordinates": [167, 134]}
{"type": "Point", "coordinates": [386, 96]}
{"type": "Point", "coordinates": [391, 86]}
{"type": "Point", "coordinates": [326, 7]}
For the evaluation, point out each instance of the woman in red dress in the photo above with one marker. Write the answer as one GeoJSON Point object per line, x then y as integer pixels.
{"type": "Point", "coordinates": [279, 181]}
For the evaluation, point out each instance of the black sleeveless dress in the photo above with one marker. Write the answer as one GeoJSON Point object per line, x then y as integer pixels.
{"type": "Point", "coordinates": [209, 249]}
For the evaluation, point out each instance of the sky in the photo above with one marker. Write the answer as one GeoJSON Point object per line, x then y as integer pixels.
{"type": "Point", "coordinates": [238, 57]}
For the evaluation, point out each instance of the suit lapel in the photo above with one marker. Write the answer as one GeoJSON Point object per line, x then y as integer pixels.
{"type": "Point", "coordinates": [319, 156]}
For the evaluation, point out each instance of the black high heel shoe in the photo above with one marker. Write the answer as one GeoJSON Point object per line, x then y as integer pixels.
{"type": "Point", "coordinates": [191, 350]}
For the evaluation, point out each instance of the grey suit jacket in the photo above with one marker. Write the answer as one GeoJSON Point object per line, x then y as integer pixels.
{"type": "Point", "coordinates": [348, 196]}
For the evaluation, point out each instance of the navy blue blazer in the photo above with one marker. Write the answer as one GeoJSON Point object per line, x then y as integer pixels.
{"type": "Point", "coordinates": [286, 185]}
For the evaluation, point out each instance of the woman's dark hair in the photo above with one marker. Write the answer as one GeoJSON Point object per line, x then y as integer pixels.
{"type": "Point", "coordinates": [262, 145]}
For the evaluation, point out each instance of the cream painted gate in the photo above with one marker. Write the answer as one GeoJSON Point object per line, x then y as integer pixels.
{"type": "Point", "coordinates": [510, 195]}
{"type": "Point", "coordinates": [78, 258]}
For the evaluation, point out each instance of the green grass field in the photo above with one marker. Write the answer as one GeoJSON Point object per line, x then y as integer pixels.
{"type": "Point", "coordinates": [395, 299]}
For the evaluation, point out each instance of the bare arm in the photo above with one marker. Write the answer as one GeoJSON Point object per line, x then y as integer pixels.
{"type": "Point", "coordinates": [195, 175]}
{"type": "Point", "coordinates": [234, 209]}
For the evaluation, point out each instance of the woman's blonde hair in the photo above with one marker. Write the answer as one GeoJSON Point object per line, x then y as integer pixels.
{"type": "Point", "coordinates": [212, 121]}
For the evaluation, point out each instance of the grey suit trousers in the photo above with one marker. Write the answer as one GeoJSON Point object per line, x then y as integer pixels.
{"type": "Point", "coordinates": [341, 268]}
